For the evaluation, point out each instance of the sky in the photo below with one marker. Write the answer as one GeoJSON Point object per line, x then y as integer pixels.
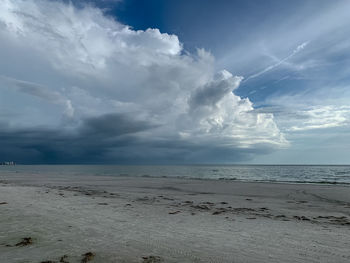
{"type": "Point", "coordinates": [175, 82]}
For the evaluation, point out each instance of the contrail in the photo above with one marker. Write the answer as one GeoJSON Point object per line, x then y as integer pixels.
{"type": "Point", "coordinates": [295, 51]}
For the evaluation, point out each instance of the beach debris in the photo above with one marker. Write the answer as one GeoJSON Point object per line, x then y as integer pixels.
{"type": "Point", "coordinates": [340, 220]}
{"type": "Point", "coordinates": [263, 208]}
{"type": "Point", "coordinates": [249, 199]}
{"type": "Point", "coordinates": [332, 217]}
{"type": "Point", "coordinates": [88, 256]}
{"type": "Point", "coordinates": [304, 218]}
{"type": "Point", "coordinates": [25, 242]}
{"type": "Point", "coordinates": [223, 203]}
{"type": "Point", "coordinates": [48, 261]}
{"type": "Point", "coordinates": [217, 212]}
{"type": "Point", "coordinates": [63, 259]}
{"type": "Point", "coordinates": [3, 203]}
{"type": "Point", "coordinates": [174, 212]}
{"type": "Point", "coordinates": [102, 203]}
{"type": "Point", "coordinates": [152, 259]}
{"type": "Point", "coordinates": [220, 211]}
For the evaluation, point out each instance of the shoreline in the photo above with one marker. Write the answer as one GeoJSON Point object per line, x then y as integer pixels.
{"type": "Point", "coordinates": [345, 184]}
{"type": "Point", "coordinates": [305, 174]}
{"type": "Point", "coordinates": [140, 219]}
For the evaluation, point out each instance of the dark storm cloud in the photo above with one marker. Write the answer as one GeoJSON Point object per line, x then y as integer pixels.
{"type": "Point", "coordinates": [111, 138]}
{"type": "Point", "coordinates": [89, 143]}
{"type": "Point", "coordinates": [113, 125]}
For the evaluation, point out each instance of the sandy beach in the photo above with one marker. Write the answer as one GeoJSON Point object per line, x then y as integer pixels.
{"type": "Point", "coordinates": [169, 131]}
{"type": "Point", "coordinates": [130, 219]}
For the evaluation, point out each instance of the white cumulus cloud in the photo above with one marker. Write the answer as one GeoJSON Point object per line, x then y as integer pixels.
{"type": "Point", "coordinates": [78, 63]}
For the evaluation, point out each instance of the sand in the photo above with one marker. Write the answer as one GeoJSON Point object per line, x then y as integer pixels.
{"type": "Point", "coordinates": [129, 219]}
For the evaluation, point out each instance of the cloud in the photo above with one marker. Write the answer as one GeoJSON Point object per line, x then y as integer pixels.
{"type": "Point", "coordinates": [214, 91]}
{"type": "Point", "coordinates": [279, 62]}
{"type": "Point", "coordinates": [90, 88]}
{"type": "Point", "coordinates": [322, 117]}
{"type": "Point", "coordinates": [90, 142]}
{"type": "Point", "coordinates": [40, 91]}
{"type": "Point", "coordinates": [113, 125]}
{"type": "Point", "coordinates": [301, 22]}
{"type": "Point", "coordinates": [308, 118]}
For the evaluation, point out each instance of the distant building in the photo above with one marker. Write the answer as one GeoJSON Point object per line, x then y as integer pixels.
{"type": "Point", "coordinates": [8, 163]}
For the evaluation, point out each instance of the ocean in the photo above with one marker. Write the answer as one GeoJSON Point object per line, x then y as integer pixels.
{"type": "Point", "coordinates": [326, 174]}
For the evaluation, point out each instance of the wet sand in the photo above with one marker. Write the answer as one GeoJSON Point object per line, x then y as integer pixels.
{"type": "Point", "coordinates": [129, 219]}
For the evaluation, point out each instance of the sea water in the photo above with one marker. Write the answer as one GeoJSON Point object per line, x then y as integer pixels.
{"type": "Point", "coordinates": [331, 174]}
